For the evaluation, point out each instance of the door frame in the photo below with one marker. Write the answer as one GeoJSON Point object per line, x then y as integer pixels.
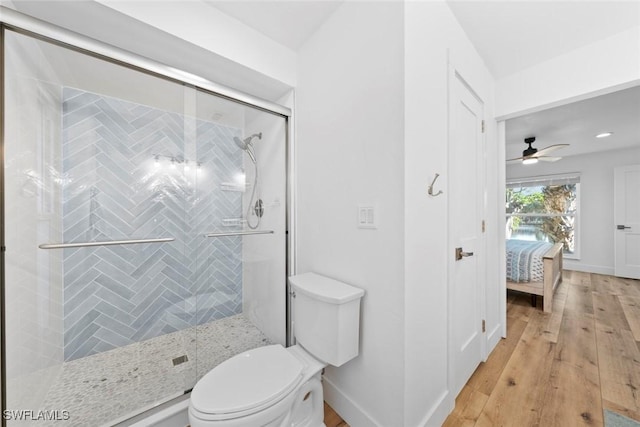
{"type": "Point", "coordinates": [454, 73]}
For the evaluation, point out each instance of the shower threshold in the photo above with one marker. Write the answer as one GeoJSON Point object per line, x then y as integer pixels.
{"type": "Point", "coordinates": [109, 387]}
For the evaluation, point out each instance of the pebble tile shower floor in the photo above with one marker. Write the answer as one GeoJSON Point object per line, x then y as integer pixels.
{"type": "Point", "coordinates": [111, 386]}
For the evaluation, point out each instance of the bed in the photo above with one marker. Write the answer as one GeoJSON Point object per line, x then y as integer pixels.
{"type": "Point", "coordinates": [534, 268]}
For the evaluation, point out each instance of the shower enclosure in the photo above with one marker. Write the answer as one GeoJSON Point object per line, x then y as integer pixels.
{"type": "Point", "coordinates": [144, 233]}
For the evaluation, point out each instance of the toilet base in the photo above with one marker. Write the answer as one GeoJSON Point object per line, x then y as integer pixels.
{"type": "Point", "coordinates": [308, 409]}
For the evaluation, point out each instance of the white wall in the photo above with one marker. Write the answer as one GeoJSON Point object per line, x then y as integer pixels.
{"type": "Point", "coordinates": [348, 147]}
{"type": "Point", "coordinates": [594, 69]}
{"type": "Point", "coordinates": [597, 226]}
{"type": "Point", "coordinates": [211, 29]}
{"type": "Point", "coordinates": [431, 35]}
{"type": "Point", "coordinates": [349, 106]}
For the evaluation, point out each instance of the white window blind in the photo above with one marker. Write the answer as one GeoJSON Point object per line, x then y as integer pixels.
{"type": "Point", "coordinates": [544, 181]}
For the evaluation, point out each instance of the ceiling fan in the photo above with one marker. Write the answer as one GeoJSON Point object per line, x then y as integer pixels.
{"type": "Point", "coordinates": [532, 155]}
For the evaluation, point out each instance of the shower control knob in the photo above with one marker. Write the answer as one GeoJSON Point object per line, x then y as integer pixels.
{"type": "Point", "coordinates": [259, 208]}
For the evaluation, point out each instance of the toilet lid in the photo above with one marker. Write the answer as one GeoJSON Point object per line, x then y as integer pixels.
{"type": "Point", "coordinates": [248, 380]}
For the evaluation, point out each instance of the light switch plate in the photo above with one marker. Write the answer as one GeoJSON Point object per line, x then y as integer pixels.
{"type": "Point", "coordinates": [367, 217]}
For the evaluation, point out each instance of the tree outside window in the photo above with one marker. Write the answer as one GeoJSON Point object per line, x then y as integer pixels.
{"type": "Point", "coordinates": [544, 210]}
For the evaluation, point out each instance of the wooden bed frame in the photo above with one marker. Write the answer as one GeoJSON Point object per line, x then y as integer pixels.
{"type": "Point", "coordinates": [552, 261]}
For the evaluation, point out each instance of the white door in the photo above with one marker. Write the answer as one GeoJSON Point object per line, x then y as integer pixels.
{"type": "Point", "coordinates": [466, 192]}
{"type": "Point", "coordinates": [626, 214]}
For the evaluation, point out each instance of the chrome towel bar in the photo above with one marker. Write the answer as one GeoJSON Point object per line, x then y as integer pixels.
{"type": "Point", "coordinates": [105, 243]}
{"type": "Point", "coordinates": [238, 233]}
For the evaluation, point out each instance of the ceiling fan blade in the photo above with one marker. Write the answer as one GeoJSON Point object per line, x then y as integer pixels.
{"type": "Point", "coordinates": [542, 158]}
{"type": "Point", "coordinates": [546, 150]}
{"type": "Point", "coordinates": [517, 159]}
{"type": "Point", "coordinates": [549, 159]}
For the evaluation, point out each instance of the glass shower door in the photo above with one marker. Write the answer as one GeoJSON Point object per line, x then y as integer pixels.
{"type": "Point", "coordinates": [99, 294]}
{"type": "Point", "coordinates": [145, 233]}
{"type": "Point", "coordinates": [240, 217]}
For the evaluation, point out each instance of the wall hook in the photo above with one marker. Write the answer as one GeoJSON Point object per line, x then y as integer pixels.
{"type": "Point", "coordinates": [430, 189]}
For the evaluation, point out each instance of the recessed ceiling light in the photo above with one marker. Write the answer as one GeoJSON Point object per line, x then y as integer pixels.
{"type": "Point", "coordinates": [604, 134]}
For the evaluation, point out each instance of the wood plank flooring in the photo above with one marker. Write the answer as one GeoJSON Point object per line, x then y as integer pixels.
{"type": "Point", "coordinates": [331, 418]}
{"type": "Point", "coordinates": [564, 368]}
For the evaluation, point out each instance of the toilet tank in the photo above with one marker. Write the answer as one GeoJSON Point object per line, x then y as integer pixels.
{"type": "Point", "coordinates": [326, 317]}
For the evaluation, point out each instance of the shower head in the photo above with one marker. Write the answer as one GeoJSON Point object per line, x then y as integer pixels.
{"type": "Point", "coordinates": [247, 144]}
{"type": "Point", "coordinates": [240, 143]}
{"type": "Point", "coordinates": [248, 141]}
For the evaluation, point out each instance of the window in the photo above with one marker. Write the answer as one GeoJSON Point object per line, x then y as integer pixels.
{"type": "Point", "coordinates": [545, 209]}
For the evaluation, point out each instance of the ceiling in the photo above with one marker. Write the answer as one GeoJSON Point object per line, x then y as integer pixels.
{"type": "Point", "coordinates": [578, 124]}
{"type": "Point", "coordinates": [289, 23]}
{"type": "Point", "coordinates": [537, 30]}
{"type": "Point", "coordinates": [513, 35]}
{"type": "Point", "coordinates": [510, 36]}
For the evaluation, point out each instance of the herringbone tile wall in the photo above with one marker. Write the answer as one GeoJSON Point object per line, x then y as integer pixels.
{"type": "Point", "coordinates": [118, 295]}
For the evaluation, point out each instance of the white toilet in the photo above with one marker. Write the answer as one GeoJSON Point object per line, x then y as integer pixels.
{"type": "Point", "coordinates": [277, 386]}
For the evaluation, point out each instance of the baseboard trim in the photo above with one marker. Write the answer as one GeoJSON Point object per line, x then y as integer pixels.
{"type": "Point", "coordinates": [348, 410]}
{"type": "Point", "coordinates": [167, 415]}
{"type": "Point", "coordinates": [586, 268]}
{"type": "Point", "coordinates": [439, 412]}
{"type": "Point", "coordinates": [493, 338]}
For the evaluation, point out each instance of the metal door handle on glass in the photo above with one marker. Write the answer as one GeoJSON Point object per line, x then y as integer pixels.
{"type": "Point", "coordinates": [238, 233]}
{"type": "Point", "coordinates": [104, 243]}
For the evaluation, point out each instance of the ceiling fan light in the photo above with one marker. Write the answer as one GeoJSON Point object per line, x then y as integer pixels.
{"type": "Point", "coordinates": [529, 161]}
{"type": "Point", "coordinates": [604, 134]}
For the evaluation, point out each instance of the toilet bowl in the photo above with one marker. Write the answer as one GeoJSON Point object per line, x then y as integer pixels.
{"type": "Point", "coordinates": [260, 387]}
{"type": "Point", "coordinates": [278, 386]}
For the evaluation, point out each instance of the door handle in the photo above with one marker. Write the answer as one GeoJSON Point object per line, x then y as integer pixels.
{"type": "Point", "coordinates": [622, 227]}
{"type": "Point", "coordinates": [461, 254]}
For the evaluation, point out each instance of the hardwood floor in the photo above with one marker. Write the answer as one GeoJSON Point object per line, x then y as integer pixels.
{"type": "Point", "coordinates": [331, 418]}
{"type": "Point", "coordinates": [562, 368]}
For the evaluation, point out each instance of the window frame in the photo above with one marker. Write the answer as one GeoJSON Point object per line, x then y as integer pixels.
{"type": "Point", "coordinates": [545, 180]}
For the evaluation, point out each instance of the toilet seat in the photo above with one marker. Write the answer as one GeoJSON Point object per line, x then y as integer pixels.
{"type": "Point", "coordinates": [246, 383]}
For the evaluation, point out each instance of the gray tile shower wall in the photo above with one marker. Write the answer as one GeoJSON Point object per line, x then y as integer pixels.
{"type": "Point", "coordinates": [115, 189]}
